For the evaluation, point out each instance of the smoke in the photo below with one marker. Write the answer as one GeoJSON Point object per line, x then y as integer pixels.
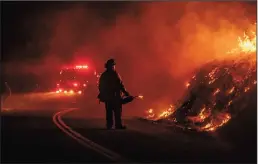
{"type": "Point", "coordinates": [162, 44]}
{"type": "Point", "coordinates": [157, 45]}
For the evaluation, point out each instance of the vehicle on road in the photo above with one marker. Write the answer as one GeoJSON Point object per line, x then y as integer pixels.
{"type": "Point", "coordinates": [76, 79]}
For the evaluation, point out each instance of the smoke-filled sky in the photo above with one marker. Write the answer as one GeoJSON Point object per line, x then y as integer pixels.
{"type": "Point", "coordinates": [157, 45]}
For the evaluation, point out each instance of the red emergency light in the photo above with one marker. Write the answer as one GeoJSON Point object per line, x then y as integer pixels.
{"type": "Point", "coordinates": [81, 67]}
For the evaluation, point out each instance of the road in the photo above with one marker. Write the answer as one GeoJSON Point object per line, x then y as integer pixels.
{"type": "Point", "coordinates": [43, 127]}
{"type": "Point", "coordinates": [29, 134]}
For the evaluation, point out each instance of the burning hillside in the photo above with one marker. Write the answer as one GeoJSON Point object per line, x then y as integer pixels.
{"type": "Point", "coordinates": [218, 91]}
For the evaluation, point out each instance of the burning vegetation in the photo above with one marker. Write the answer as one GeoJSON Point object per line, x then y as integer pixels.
{"type": "Point", "coordinates": [217, 92]}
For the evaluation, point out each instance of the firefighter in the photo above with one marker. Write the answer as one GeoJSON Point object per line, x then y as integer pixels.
{"type": "Point", "coordinates": [111, 89]}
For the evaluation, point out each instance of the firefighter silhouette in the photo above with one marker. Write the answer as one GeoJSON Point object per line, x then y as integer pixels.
{"type": "Point", "coordinates": [111, 89]}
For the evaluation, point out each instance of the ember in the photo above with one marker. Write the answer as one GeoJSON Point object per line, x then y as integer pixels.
{"type": "Point", "coordinates": [223, 82]}
{"type": "Point", "coordinates": [187, 84]}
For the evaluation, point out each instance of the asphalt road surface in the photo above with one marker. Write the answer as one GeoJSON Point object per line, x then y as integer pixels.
{"type": "Point", "coordinates": [45, 127]}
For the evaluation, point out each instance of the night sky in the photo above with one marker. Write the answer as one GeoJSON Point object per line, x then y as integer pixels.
{"type": "Point", "coordinates": [21, 20]}
{"type": "Point", "coordinates": [15, 35]}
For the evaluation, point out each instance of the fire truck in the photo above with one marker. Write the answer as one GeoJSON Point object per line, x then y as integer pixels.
{"type": "Point", "coordinates": [76, 79]}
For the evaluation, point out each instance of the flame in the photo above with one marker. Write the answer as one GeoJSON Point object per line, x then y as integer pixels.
{"type": "Point", "coordinates": [204, 113]}
{"type": "Point", "coordinates": [223, 119]}
{"type": "Point", "coordinates": [150, 111]}
{"type": "Point", "coordinates": [210, 121]}
{"type": "Point", "coordinates": [163, 114]}
{"type": "Point", "coordinates": [230, 102]}
{"type": "Point", "coordinates": [150, 114]}
{"type": "Point", "coordinates": [247, 44]}
{"type": "Point", "coordinates": [231, 90]}
{"type": "Point", "coordinates": [247, 89]}
{"type": "Point", "coordinates": [216, 91]}
{"type": "Point", "coordinates": [140, 96]}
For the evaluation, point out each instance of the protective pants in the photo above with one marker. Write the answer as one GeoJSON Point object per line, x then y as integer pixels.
{"type": "Point", "coordinates": [113, 107]}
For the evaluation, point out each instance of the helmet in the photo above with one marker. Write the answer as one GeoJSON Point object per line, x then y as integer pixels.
{"type": "Point", "coordinates": [110, 63]}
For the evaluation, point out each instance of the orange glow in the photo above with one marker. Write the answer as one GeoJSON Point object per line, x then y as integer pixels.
{"type": "Point", "coordinates": [71, 92]}
{"type": "Point", "coordinates": [65, 91]}
{"type": "Point", "coordinates": [57, 91]}
{"type": "Point", "coordinates": [75, 84]}
{"type": "Point", "coordinates": [79, 92]}
{"type": "Point", "coordinates": [209, 121]}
